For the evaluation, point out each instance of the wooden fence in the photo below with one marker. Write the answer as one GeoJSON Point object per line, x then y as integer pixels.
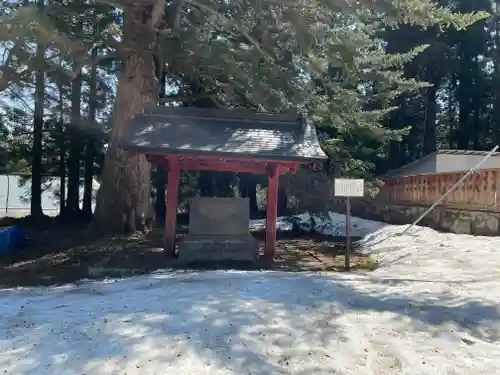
{"type": "Point", "coordinates": [478, 192]}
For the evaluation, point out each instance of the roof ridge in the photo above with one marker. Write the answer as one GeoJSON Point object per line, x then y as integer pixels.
{"type": "Point", "coordinates": [215, 113]}
{"type": "Point", "coordinates": [239, 133]}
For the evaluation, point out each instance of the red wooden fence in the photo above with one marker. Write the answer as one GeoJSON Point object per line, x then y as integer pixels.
{"type": "Point", "coordinates": [479, 191]}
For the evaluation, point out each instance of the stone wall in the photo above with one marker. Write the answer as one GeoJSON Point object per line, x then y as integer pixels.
{"type": "Point", "coordinates": [446, 218]}
{"type": "Point", "coordinates": [442, 218]}
{"type": "Point", "coordinates": [473, 207]}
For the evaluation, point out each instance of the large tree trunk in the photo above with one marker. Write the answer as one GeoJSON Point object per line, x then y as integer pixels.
{"type": "Point", "coordinates": [282, 201]}
{"type": "Point", "coordinates": [430, 132]}
{"type": "Point", "coordinates": [206, 184]}
{"type": "Point", "coordinates": [124, 196]}
{"type": "Point", "coordinates": [465, 87]}
{"type": "Point", "coordinates": [496, 74]}
{"type": "Point", "coordinates": [160, 202]}
{"type": "Point", "coordinates": [62, 154]}
{"type": "Point", "coordinates": [479, 131]}
{"type": "Point", "coordinates": [252, 194]}
{"type": "Point", "coordinates": [36, 167]}
{"type": "Point", "coordinates": [451, 113]}
{"type": "Point", "coordinates": [248, 189]}
{"type": "Point", "coordinates": [75, 148]}
{"type": "Point", "coordinates": [90, 145]}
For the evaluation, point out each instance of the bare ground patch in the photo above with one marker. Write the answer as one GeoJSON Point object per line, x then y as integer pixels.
{"type": "Point", "coordinates": [57, 253]}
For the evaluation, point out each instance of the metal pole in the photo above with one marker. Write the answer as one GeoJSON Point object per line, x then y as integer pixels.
{"type": "Point", "coordinates": [347, 264]}
{"type": "Point", "coordinates": [471, 171]}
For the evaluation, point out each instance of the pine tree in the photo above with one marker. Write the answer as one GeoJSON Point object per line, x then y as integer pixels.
{"type": "Point", "coordinates": [268, 55]}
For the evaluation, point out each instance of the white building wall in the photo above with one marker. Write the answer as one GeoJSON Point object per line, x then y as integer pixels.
{"type": "Point", "coordinates": [460, 163]}
{"type": "Point", "coordinates": [15, 199]}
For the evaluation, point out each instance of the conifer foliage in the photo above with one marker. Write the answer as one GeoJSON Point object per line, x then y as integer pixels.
{"type": "Point", "coordinates": [83, 69]}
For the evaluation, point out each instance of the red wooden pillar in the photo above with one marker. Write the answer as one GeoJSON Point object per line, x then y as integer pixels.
{"type": "Point", "coordinates": [171, 201]}
{"type": "Point", "coordinates": [272, 210]}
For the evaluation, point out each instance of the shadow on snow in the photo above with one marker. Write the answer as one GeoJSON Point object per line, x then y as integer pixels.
{"type": "Point", "coordinates": [222, 319]}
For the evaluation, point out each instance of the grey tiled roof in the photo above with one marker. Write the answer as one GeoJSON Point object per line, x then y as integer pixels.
{"type": "Point", "coordinates": [465, 152]}
{"type": "Point", "coordinates": [164, 130]}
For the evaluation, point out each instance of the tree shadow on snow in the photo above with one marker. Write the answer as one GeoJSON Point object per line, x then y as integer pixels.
{"type": "Point", "coordinates": [254, 323]}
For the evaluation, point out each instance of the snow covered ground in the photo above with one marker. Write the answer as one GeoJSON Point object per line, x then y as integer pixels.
{"type": "Point", "coordinates": [432, 308]}
{"type": "Point", "coordinates": [333, 225]}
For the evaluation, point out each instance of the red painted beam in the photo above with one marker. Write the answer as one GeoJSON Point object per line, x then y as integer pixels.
{"type": "Point", "coordinates": [226, 165]}
{"type": "Point", "coordinates": [158, 160]}
{"type": "Point", "coordinates": [271, 210]}
{"type": "Point", "coordinates": [172, 201]}
{"type": "Point", "coordinates": [229, 166]}
{"type": "Point", "coordinates": [231, 158]}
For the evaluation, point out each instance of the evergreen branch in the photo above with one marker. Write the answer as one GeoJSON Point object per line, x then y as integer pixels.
{"type": "Point", "coordinates": [239, 26]}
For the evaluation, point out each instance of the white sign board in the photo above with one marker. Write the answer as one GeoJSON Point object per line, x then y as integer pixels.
{"type": "Point", "coordinates": [347, 187]}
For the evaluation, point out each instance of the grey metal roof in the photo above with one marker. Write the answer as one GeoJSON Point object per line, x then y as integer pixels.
{"type": "Point", "coordinates": [464, 152]}
{"type": "Point", "coordinates": [238, 133]}
{"type": "Point", "coordinates": [397, 171]}
{"type": "Point", "coordinates": [425, 158]}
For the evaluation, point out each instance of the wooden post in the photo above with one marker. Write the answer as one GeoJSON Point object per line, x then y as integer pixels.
{"type": "Point", "coordinates": [272, 210]}
{"type": "Point", "coordinates": [348, 187]}
{"type": "Point", "coordinates": [171, 201]}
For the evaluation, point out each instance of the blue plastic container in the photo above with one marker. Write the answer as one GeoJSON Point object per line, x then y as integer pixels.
{"type": "Point", "coordinates": [11, 239]}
